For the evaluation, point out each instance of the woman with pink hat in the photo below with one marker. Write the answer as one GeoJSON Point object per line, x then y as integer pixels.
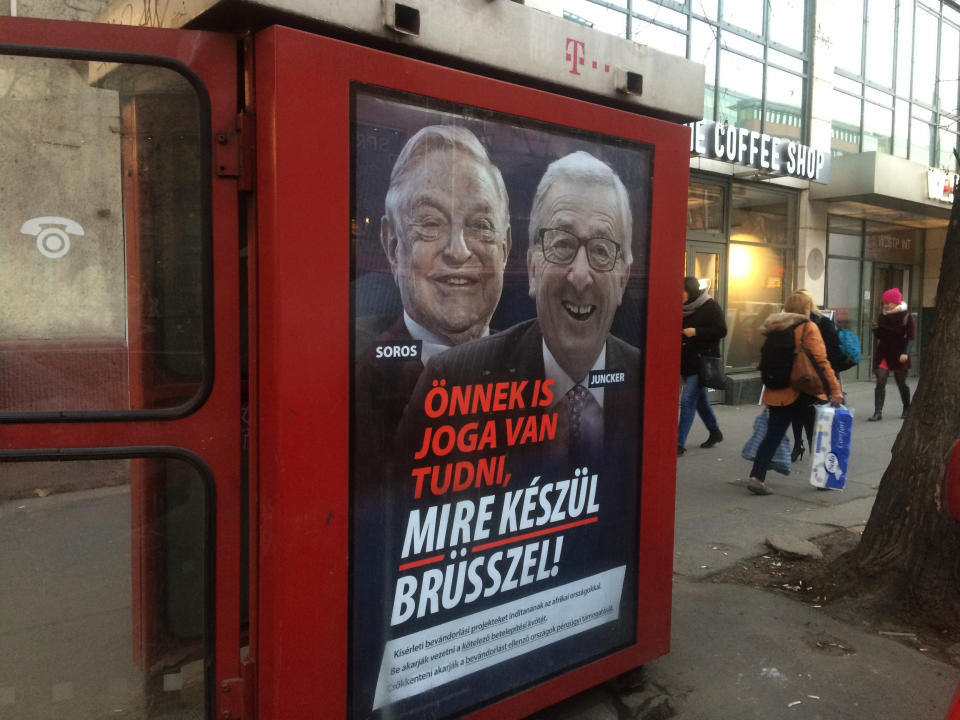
{"type": "Point", "coordinates": [893, 338]}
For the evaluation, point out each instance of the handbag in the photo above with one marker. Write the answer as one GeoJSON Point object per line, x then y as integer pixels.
{"type": "Point", "coordinates": [710, 372]}
{"type": "Point", "coordinates": [781, 457]}
{"type": "Point", "coordinates": [806, 376]}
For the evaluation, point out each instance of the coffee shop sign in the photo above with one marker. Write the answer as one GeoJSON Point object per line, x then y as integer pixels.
{"type": "Point", "coordinates": [723, 141]}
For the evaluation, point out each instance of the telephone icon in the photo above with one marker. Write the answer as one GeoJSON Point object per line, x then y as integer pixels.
{"type": "Point", "coordinates": [53, 234]}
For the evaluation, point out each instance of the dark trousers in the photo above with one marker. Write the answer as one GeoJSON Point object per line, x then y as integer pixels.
{"type": "Point", "coordinates": [779, 421]}
{"type": "Point", "coordinates": [804, 421]}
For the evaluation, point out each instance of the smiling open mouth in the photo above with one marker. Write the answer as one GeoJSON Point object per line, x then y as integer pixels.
{"type": "Point", "coordinates": [456, 280]}
{"type": "Point", "coordinates": [578, 312]}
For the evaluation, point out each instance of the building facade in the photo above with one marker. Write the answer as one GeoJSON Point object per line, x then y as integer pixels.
{"type": "Point", "coordinates": [873, 84]}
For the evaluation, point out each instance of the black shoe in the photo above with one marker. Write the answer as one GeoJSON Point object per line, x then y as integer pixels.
{"type": "Point", "coordinates": [715, 437]}
{"type": "Point", "coordinates": [876, 416]}
{"type": "Point", "coordinates": [680, 450]}
{"type": "Point", "coordinates": [797, 453]}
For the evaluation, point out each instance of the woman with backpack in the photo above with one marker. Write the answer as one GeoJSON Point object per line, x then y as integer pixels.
{"type": "Point", "coordinates": [782, 401]}
{"type": "Point", "coordinates": [893, 334]}
{"type": "Point", "coordinates": [703, 326]}
{"type": "Point", "coordinates": [831, 339]}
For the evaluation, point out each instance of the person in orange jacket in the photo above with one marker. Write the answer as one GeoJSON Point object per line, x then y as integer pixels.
{"type": "Point", "coordinates": [785, 404]}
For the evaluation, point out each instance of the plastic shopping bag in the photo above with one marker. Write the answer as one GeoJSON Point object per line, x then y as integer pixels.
{"type": "Point", "coordinates": [832, 432]}
{"type": "Point", "coordinates": [781, 458]}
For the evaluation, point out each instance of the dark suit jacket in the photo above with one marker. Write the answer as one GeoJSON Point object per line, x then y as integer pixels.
{"type": "Point", "coordinates": [516, 354]}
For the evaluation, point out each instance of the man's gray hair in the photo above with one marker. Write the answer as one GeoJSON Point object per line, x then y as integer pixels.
{"type": "Point", "coordinates": [583, 167]}
{"type": "Point", "coordinates": [435, 138]}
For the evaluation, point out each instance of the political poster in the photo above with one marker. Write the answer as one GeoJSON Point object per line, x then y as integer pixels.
{"type": "Point", "coordinates": [499, 277]}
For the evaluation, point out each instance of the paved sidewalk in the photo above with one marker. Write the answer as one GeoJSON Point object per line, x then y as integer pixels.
{"type": "Point", "coordinates": [739, 653]}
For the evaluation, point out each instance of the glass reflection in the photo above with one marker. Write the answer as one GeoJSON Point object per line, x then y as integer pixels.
{"type": "Point", "coordinates": [921, 141]}
{"type": "Point", "coordinates": [925, 57]}
{"type": "Point", "coordinates": [843, 292]}
{"type": "Point", "coordinates": [705, 208]}
{"type": "Point", "coordinates": [101, 279]}
{"type": "Point", "coordinates": [848, 23]}
{"type": "Point", "coordinates": [846, 124]}
{"type": "Point", "coordinates": [948, 86]}
{"type": "Point", "coordinates": [746, 14]}
{"type": "Point", "coordinates": [877, 123]}
{"type": "Point", "coordinates": [740, 80]}
{"type": "Point", "coordinates": [879, 66]}
{"type": "Point", "coordinates": [754, 291]}
{"type": "Point", "coordinates": [103, 612]}
{"type": "Point", "coordinates": [784, 109]}
{"type": "Point", "coordinates": [785, 17]}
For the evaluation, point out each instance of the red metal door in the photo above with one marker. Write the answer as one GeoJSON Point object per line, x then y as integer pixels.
{"type": "Point", "coordinates": [331, 568]}
{"type": "Point", "coordinates": [120, 365]}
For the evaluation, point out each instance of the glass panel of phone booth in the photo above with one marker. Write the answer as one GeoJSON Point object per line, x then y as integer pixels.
{"type": "Point", "coordinates": [101, 300]}
{"type": "Point", "coordinates": [80, 543]}
{"type": "Point", "coordinates": [455, 254]}
{"type": "Point", "coordinates": [113, 354]}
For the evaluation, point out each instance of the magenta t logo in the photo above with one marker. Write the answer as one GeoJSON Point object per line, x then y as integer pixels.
{"type": "Point", "coordinates": [574, 55]}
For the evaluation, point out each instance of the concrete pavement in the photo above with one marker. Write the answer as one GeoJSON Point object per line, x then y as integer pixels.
{"type": "Point", "coordinates": [739, 653]}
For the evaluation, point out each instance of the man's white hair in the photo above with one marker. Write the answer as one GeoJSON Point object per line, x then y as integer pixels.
{"type": "Point", "coordinates": [583, 167]}
{"type": "Point", "coordinates": [435, 138]}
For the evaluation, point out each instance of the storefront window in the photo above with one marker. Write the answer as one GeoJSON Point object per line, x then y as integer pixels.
{"type": "Point", "coordinates": [740, 80]}
{"type": "Point", "coordinates": [920, 141]}
{"type": "Point", "coordinates": [785, 17]}
{"type": "Point", "coordinates": [754, 290]}
{"type": "Point", "coordinates": [901, 128]}
{"type": "Point", "coordinates": [784, 103]}
{"type": "Point", "coordinates": [846, 124]}
{"type": "Point", "coordinates": [660, 38]}
{"type": "Point", "coordinates": [877, 123]}
{"type": "Point", "coordinates": [703, 49]}
{"type": "Point", "coordinates": [904, 50]}
{"type": "Point", "coordinates": [705, 208]}
{"type": "Point", "coordinates": [879, 65]}
{"type": "Point", "coordinates": [706, 8]}
{"type": "Point", "coordinates": [947, 88]}
{"type": "Point", "coordinates": [746, 14]}
{"type": "Point", "coordinates": [759, 215]}
{"type": "Point", "coordinates": [600, 18]}
{"type": "Point", "coordinates": [925, 58]}
{"type": "Point", "coordinates": [849, 17]}
{"type": "Point", "coordinates": [948, 143]}
{"type": "Point", "coordinates": [843, 290]}
{"type": "Point", "coordinates": [845, 237]}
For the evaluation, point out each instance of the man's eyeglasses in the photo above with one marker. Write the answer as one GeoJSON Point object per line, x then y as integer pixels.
{"type": "Point", "coordinates": [561, 247]}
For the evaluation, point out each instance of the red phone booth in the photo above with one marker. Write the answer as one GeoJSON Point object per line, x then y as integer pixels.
{"type": "Point", "coordinates": [455, 349]}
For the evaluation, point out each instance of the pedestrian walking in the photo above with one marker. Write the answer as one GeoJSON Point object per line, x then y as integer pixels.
{"type": "Point", "coordinates": [831, 340]}
{"type": "Point", "coordinates": [893, 334]}
{"type": "Point", "coordinates": [784, 403]}
{"type": "Point", "coordinates": [703, 327]}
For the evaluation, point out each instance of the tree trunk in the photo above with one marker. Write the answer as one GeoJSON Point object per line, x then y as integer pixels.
{"type": "Point", "coordinates": [911, 545]}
